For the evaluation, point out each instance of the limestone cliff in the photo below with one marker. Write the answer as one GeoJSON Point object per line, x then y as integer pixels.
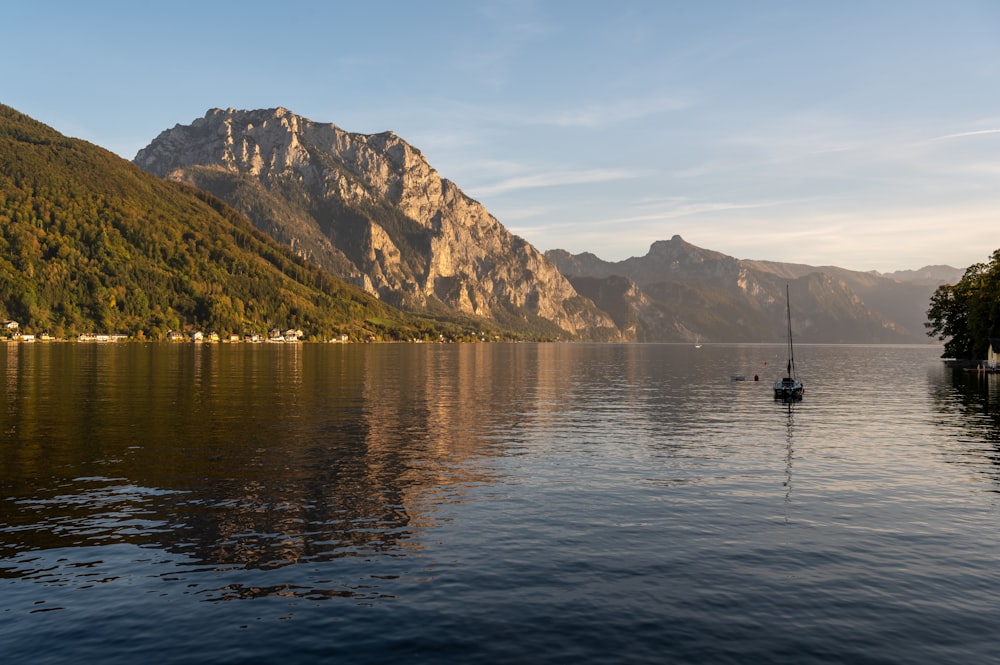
{"type": "Point", "coordinates": [371, 209]}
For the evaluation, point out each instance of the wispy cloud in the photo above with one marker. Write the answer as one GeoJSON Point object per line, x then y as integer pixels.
{"type": "Point", "coordinates": [962, 135]}
{"type": "Point", "coordinates": [673, 208]}
{"type": "Point", "coordinates": [552, 179]}
{"type": "Point", "coordinates": [856, 239]}
{"type": "Point", "coordinates": [526, 212]}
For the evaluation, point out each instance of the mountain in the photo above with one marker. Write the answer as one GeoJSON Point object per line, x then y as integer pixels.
{"type": "Point", "coordinates": [932, 276]}
{"type": "Point", "coordinates": [678, 291]}
{"type": "Point", "coordinates": [371, 209]}
{"type": "Point", "coordinates": [90, 243]}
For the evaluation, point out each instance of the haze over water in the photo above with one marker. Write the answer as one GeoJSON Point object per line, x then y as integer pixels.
{"type": "Point", "coordinates": [495, 503]}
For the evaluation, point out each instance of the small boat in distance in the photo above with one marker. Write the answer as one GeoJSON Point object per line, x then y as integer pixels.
{"type": "Point", "coordinates": [789, 388]}
{"type": "Point", "coordinates": [697, 341]}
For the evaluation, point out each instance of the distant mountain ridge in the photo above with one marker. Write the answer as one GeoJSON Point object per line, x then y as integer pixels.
{"type": "Point", "coordinates": [370, 209]}
{"type": "Point", "coordinates": [928, 275]}
{"type": "Point", "coordinates": [678, 291]}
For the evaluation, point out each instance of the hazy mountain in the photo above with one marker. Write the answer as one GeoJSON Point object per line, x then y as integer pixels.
{"type": "Point", "coordinates": [90, 243]}
{"type": "Point", "coordinates": [371, 209]}
{"type": "Point", "coordinates": [679, 292]}
{"type": "Point", "coordinates": [928, 275]}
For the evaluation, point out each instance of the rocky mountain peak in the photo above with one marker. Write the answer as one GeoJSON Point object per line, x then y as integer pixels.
{"type": "Point", "coordinates": [681, 290]}
{"type": "Point", "coordinates": [371, 208]}
{"type": "Point", "coordinates": [675, 244]}
{"type": "Point", "coordinates": [678, 249]}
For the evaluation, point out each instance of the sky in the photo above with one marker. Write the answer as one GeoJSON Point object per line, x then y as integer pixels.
{"type": "Point", "coordinates": [864, 135]}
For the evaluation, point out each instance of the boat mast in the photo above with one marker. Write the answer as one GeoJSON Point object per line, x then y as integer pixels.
{"type": "Point", "coordinates": [791, 353]}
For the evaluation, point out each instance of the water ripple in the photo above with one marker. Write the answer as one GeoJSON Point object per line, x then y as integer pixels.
{"type": "Point", "coordinates": [497, 503]}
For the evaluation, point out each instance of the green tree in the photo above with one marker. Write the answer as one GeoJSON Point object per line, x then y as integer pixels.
{"type": "Point", "coordinates": [965, 315]}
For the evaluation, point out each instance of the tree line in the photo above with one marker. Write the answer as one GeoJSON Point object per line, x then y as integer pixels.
{"type": "Point", "coordinates": [967, 314]}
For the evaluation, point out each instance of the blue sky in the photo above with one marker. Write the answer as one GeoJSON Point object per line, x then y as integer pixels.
{"type": "Point", "coordinates": [859, 134]}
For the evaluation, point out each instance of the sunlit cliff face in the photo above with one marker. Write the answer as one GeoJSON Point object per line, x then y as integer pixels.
{"type": "Point", "coordinates": [404, 233]}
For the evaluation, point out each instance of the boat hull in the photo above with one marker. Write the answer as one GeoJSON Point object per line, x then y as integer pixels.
{"type": "Point", "coordinates": [788, 390]}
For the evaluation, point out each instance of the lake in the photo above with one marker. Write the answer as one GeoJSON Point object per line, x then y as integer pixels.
{"type": "Point", "coordinates": [495, 503]}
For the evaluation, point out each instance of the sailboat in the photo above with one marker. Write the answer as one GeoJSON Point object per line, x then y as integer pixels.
{"type": "Point", "coordinates": [789, 388]}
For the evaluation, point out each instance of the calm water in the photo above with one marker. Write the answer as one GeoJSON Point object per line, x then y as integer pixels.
{"type": "Point", "coordinates": [495, 503]}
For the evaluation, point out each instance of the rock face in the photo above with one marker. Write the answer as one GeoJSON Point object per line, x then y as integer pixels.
{"type": "Point", "coordinates": [369, 208]}
{"type": "Point", "coordinates": [681, 292]}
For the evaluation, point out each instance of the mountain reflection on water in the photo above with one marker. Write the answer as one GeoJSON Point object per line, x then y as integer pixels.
{"type": "Point", "coordinates": [501, 503]}
{"type": "Point", "coordinates": [255, 457]}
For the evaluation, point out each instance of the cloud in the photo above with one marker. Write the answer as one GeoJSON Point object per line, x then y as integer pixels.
{"type": "Point", "coordinates": [813, 231]}
{"type": "Point", "coordinates": [551, 179]}
{"type": "Point", "coordinates": [527, 212]}
{"type": "Point", "coordinates": [962, 135]}
{"type": "Point", "coordinates": [858, 239]}
{"type": "Point", "coordinates": [673, 208]}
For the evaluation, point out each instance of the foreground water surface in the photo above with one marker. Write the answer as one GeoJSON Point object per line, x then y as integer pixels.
{"type": "Point", "coordinates": [553, 503]}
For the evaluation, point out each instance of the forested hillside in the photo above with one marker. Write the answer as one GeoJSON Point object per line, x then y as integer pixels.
{"type": "Point", "coordinates": [89, 242]}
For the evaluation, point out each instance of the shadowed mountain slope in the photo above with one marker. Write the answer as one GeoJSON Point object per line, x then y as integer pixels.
{"type": "Point", "coordinates": [678, 291]}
